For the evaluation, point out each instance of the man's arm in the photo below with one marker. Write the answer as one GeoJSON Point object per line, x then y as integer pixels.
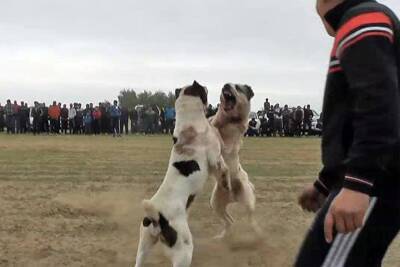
{"type": "Point", "coordinates": [368, 59]}
{"type": "Point", "coordinates": [369, 64]}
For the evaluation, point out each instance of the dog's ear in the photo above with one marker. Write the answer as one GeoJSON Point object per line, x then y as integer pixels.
{"type": "Point", "coordinates": [196, 84]}
{"type": "Point", "coordinates": [197, 89]}
{"type": "Point", "coordinates": [177, 92]}
{"type": "Point", "coordinates": [248, 91]}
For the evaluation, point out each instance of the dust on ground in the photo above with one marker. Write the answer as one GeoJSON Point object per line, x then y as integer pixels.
{"type": "Point", "coordinates": [76, 202]}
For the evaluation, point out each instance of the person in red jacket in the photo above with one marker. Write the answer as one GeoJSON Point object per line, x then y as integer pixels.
{"type": "Point", "coordinates": [96, 120]}
{"type": "Point", "coordinates": [357, 193]}
{"type": "Point", "coordinates": [54, 114]}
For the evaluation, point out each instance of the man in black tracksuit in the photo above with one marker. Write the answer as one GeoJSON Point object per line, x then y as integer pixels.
{"type": "Point", "coordinates": [358, 190]}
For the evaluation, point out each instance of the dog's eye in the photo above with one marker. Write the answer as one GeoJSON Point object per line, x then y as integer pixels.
{"type": "Point", "coordinates": [146, 222]}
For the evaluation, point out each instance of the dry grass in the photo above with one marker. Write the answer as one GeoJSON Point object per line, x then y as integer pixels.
{"type": "Point", "coordinates": [74, 201]}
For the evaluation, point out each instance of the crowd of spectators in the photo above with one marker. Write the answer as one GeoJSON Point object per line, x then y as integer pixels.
{"type": "Point", "coordinates": [274, 120]}
{"type": "Point", "coordinates": [112, 118]}
{"type": "Point", "coordinates": [105, 118]}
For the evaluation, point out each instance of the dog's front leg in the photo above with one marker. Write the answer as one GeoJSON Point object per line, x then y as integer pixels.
{"type": "Point", "coordinates": [146, 243]}
{"type": "Point", "coordinates": [221, 172]}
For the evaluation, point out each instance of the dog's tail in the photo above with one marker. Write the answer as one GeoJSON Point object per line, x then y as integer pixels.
{"type": "Point", "coordinates": [150, 211]}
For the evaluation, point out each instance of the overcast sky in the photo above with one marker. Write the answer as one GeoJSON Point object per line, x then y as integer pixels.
{"type": "Point", "coordinates": [88, 50]}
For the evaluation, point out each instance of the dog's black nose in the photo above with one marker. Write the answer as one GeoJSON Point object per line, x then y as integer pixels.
{"type": "Point", "coordinates": [226, 87]}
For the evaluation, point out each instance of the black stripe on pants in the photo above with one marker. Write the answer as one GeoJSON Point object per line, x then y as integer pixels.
{"type": "Point", "coordinates": [366, 249]}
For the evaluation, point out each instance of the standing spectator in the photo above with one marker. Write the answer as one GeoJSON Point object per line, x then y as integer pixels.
{"type": "Point", "coordinates": [298, 120]}
{"type": "Point", "coordinates": [45, 118]}
{"type": "Point", "coordinates": [27, 116]}
{"type": "Point", "coordinates": [124, 120]}
{"type": "Point", "coordinates": [286, 120]}
{"type": "Point", "coordinates": [278, 122]}
{"type": "Point", "coordinates": [115, 114]}
{"type": "Point", "coordinates": [140, 122]}
{"type": "Point", "coordinates": [133, 115]}
{"type": "Point", "coordinates": [24, 117]}
{"type": "Point", "coordinates": [58, 126]}
{"type": "Point", "coordinates": [263, 124]}
{"type": "Point", "coordinates": [86, 111]}
{"type": "Point", "coordinates": [149, 117]}
{"type": "Point", "coordinates": [271, 121]}
{"type": "Point", "coordinates": [162, 120]}
{"type": "Point", "coordinates": [91, 109]}
{"type": "Point", "coordinates": [267, 105]}
{"type": "Point", "coordinates": [9, 117]}
{"type": "Point", "coordinates": [156, 119]}
{"type": "Point", "coordinates": [170, 119]}
{"type": "Point", "coordinates": [17, 117]}
{"type": "Point", "coordinates": [2, 122]}
{"type": "Point", "coordinates": [79, 119]}
{"type": "Point", "coordinates": [96, 120]}
{"type": "Point", "coordinates": [64, 119]}
{"type": "Point", "coordinates": [308, 116]}
{"type": "Point", "coordinates": [88, 122]}
{"type": "Point", "coordinates": [105, 118]}
{"type": "Point", "coordinates": [71, 119]}
{"type": "Point", "coordinates": [54, 114]}
{"type": "Point", "coordinates": [35, 114]}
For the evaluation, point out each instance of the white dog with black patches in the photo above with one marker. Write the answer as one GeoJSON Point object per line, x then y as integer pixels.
{"type": "Point", "coordinates": [197, 153]}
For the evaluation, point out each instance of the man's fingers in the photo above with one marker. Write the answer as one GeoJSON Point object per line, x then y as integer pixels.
{"type": "Point", "coordinates": [302, 200]}
{"type": "Point", "coordinates": [314, 206]}
{"type": "Point", "coordinates": [359, 220]}
{"type": "Point", "coordinates": [340, 223]}
{"type": "Point", "coordinates": [349, 222]}
{"type": "Point", "coordinates": [328, 227]}
{"type": "Point", "coordinates": [305, 203]}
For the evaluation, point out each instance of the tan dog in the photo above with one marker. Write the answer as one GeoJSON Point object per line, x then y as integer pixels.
{"type": "Point", "coordinates": [231, 121]}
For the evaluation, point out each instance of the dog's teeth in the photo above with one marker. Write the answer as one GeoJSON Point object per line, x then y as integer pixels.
{"type": "Point", "coordinates": [228, 94]}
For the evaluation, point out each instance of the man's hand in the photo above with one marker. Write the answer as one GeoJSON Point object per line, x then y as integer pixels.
{"type": "Point", "coordinates": [346, 213]}
{"type": "Point", "coordinates": [311, 199]}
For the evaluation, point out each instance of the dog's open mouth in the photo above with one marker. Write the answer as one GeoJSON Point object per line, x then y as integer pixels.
{"type": "Point", "coordinates": [229, 100]}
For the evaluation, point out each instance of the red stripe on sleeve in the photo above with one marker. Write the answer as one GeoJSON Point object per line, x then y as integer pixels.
{"type": "Point", "coordinates": [368, 18]}
{"type": "Point", "coordinates": [335, 69]}
{"type": "Point", "coordinates": [365, 35]}
{"type": "Point", "coordinates": [358, 21]}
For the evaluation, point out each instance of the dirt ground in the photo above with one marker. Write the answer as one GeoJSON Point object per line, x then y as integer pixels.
{"type": "Point", "coordinates": [74, 201]}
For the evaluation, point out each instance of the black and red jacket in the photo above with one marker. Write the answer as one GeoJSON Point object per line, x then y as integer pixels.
{"type": "Point", "coordinates": [361, 110]}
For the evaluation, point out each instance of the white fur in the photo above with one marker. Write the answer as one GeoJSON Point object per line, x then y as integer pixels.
{"type": "Point", "coordinates": [171, 197]}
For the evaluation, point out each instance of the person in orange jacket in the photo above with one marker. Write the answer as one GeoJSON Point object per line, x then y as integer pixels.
{"type": "Point", "coordinates": [54, 114]}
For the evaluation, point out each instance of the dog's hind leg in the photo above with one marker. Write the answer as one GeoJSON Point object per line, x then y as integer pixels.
{"type": "Point", "coordinates": [219, 202]}
{"type": "Point", "coordinates": [181, 253]}
{"type": "Point", "coordinates": [146, 243]}
{"type": "Point", "coordinates": [247, 198]}
{"type": "Point", "coordinates": [183, 256]}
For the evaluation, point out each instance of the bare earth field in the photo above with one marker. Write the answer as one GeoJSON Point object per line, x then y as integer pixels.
{"type": "Point", "coordinates": [74, 201]}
